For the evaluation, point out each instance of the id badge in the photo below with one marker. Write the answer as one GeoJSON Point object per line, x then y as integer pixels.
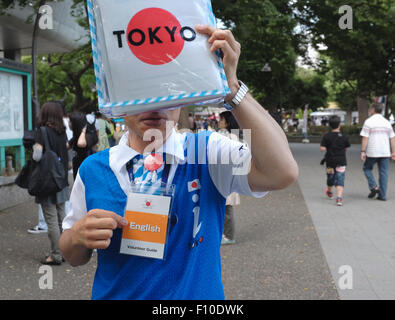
{"type": "Point", "coordinates": [148, 225]}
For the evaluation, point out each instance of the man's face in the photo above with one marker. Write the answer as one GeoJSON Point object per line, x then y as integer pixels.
{"type": "Point", "coordinates": [142, 122]}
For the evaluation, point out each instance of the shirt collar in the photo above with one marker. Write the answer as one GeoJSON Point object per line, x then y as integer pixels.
{"type": "Point", "coordinates": [123, 153]}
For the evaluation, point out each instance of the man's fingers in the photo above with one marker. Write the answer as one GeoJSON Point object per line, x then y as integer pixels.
{"type": "Point", "coordinates": [99, 244]}
{"type": "Point", "coordinates": [103, 217]}
{"type": "Point", "coordinates": [223, 45]}
{"type": "Point", "coordinates": [218, 34]}
{"type": "Point", "coordinates": [225, 35]}
{"type": "Point", "coordinates": [205, 29]}
{"type": "Point", "coordinates": [100, 234]}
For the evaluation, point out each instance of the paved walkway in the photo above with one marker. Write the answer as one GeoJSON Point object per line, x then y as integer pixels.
{"type": "Point", "coordinates": [290, 244]}
{"type": "Point", "coordinates": [277, 255]}
{"type": "Point", "coordinates": [361, 234]}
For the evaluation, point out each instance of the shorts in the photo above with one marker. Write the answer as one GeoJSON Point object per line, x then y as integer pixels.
{"type": "Point", "coordinates": [335, 176]}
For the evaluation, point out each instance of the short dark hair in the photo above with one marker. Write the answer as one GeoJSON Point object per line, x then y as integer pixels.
{"type": "Point", "coordinates": [378, 107]}
{"type": "Point", "coordinates": [334, 122]}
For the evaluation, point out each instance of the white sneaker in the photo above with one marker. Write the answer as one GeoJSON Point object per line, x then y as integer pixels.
{"type": "Point", "coordinates": [225, 240]}
{"type": "Point", "coordinates": [36, 230]}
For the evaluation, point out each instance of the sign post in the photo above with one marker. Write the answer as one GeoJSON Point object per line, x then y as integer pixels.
{"type": "Point", "coordinates": [15, 109]}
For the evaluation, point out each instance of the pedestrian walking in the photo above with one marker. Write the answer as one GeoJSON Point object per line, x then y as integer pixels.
{"type": "Point", "coordinates": [80, 143]}
{"type": "Point", "coordinates": [378, 146]}
{"type": "Point", "coordinates": [227, 122]}
{"type": "Point", "coordinates": [110, 133]}
{"type": "Point", "coordinates": [335, 146]}
{"type": "Point", "coordinates": [102, 190]}
{"type": "Point", "coordinates": [104, 129]}
{"type": "Point", "coordinates": [42, 227]}
{"type": "Point", "coordinates": [53, 205]}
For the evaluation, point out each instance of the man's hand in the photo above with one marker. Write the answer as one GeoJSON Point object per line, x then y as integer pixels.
{"type": "Point", "coordinates": [393, 156]}
{"type": "Point", "coordinates": [95, 230]}
{"type": "Point", "coordinates": [225, 41]}
{"type": "Point", "coordinates": [363, 156]}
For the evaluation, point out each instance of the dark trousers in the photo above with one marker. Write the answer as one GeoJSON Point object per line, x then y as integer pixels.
{"type": "Point", "coordinates": [383, 166]}
{"type": "Point", "coordinates": [229, 226]}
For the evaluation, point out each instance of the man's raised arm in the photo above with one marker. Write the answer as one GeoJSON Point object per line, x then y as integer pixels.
{"type": "Point", "coordinates": [272, 165]}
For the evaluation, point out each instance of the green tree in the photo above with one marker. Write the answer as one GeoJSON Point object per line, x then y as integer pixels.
{"type": "Point", "coordinates": [67, 76]}
{"type": "Point", "coordinates": [364, 55]}
{"type": "Point", "coordinates": [308, 87]}
{"type": "Point", "coordinates": [7, 4]}
{"type": "Point", "coordinates": [265, 30]}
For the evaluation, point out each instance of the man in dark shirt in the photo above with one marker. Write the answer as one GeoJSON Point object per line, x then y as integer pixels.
{"type": "Point", "coordinates": [335, 145]}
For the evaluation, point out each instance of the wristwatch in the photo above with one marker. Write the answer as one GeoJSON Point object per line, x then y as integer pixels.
{"type": "Point", "coordinates": [232, 104]}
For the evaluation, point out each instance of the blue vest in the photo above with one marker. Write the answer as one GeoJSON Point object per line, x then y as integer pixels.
{"type": "Point", "coordinates": [192, 268]}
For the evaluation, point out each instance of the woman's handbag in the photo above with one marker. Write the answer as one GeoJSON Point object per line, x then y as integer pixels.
{"type": "Point", "coordinates": [23, 178]}
{"type": "Point", "coordinates": [45, 177]}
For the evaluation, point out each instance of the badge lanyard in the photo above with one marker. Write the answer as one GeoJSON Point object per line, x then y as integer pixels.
{"type": "Point", "coordinates": [149, 216]}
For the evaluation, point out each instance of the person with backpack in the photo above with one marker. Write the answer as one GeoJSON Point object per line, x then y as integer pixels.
{"type": "Point", "coordinates": [335, 145]}
{"type": "Point", "coordinates": [82, 141]}
{"type": "Point", "coordinates": [53, 204]}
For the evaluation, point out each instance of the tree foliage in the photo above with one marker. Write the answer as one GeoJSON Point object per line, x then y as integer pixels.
{"type": "Point", "coordinates": [64, 76]}
{"type": "Point", "coordinates": [364, 57]}
{"type": "Point", "coordinates": [265, 30]}
{"type": "Point", "coordinates": [308, 87]}
{"type": "Point", "coordinates": [69, 77]}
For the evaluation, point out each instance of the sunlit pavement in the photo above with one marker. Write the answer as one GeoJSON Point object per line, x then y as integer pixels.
{"type": "Point", "coordinates": [358, 239]}
{"type": "Point", "coordinates": [277, 254]}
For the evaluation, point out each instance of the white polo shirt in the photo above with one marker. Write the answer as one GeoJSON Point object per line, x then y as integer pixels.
{"type": "Point", "coordinates": [379, 131]}
{"type": "Point", "coordinates": [228, 160]}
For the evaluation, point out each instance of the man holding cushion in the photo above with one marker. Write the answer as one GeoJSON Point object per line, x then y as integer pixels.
{"type": "Point", "coordinates": [190, 267]}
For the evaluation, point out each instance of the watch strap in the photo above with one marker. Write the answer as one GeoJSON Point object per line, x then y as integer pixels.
{"type": "Point", "coordinates": [241, 93]}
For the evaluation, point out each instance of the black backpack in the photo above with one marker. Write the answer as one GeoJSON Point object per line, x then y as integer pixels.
{"type": "Point", "coordinates": [91, 135]}
{"type": "Point", "coordinates": [45, 177]}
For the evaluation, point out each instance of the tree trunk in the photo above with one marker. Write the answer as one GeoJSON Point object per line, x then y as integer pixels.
{"type": "Point", "coordinates": [363, 108]}
{"type": "Point", "coordinates": [349, 116]}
